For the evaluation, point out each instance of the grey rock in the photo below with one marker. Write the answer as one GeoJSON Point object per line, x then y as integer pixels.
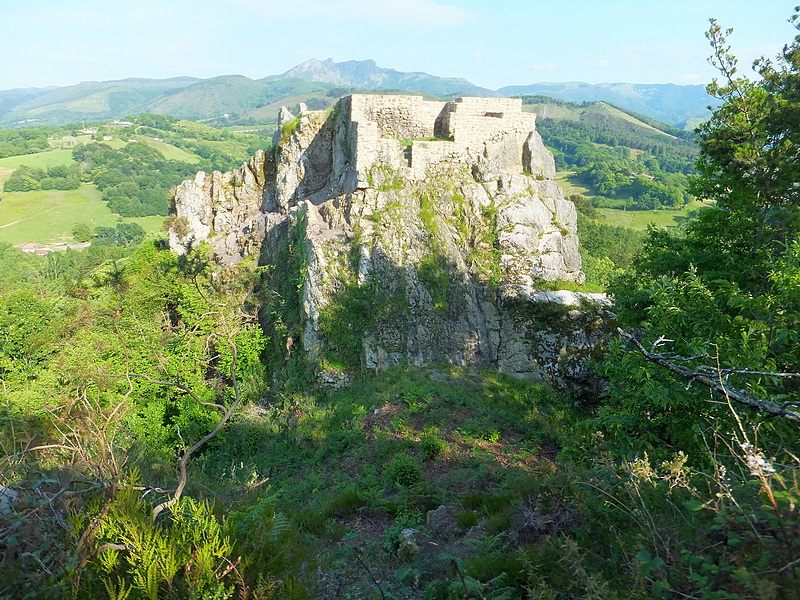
{"type": "Point", "coordinates": [442, 520]}
{"type": "Point", "coordinates": [8, 498]}
{"type": "Point", "coordinates": [408, 548]}
{"type": "Point", "coordinates": [409, 223]}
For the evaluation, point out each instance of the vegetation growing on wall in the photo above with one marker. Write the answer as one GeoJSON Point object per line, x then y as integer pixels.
{"type": "Point", "coordinates": [281, 314]}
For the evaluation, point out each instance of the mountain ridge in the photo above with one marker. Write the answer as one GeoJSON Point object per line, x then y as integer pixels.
{"type": "Point", "coordinates": [366, 74]}
{"type": "Point", "coordinates": [240, 99]}
{"type": "Point", "coordinates": [670, 103]}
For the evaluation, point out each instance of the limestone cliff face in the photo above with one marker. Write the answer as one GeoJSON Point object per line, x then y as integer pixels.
{"type": "Point", "coordinates": [419, 226]}
{"type": "Point", "coordinates": [222, 208]}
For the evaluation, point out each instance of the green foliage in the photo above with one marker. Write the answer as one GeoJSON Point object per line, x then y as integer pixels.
{"type": "Point", "coordinates": [124, 234]}
{"type": "Point", "coordinates": [28, 179]}
{"type": "Point", "coordinates": [135, 180]}
{"type": "Point", "coordinates": [622, 159]}
{"type": "Point", "coordinates": [28, 140]}
{"type": "Point", "coordinates": [719, 298]}
{"type": "Point", "coordinates": [27, 328]}
{"type": "Point", "coordinates": [280, 313]}
{"type": "Point", "coordinates": [403, 470]}
{"type": "Point", "coordinates": [719, 288]}
{"type": "Point", "coordinates": [434, 273]}
{"type": "Point", "coordinates": [606, 250]}
{"type": "Point", "coordinates": [139, 559]}
{"type": "Point", "coordinates": [384, 178]}
{"type": "Point", "coordinates": [431, 444]}
{"type": "Point", "coordinates": [288, 129]}
{"type": "Point", "coordinates": [129, 233]}
{"type": "Point", "coordinates": [354, 311]}
{"type": "Point", "coordinates": [82, 232]}
{"type": "Point", "coordinates": [151, 365]}
{"type": "Point", "coordinates": [219, 150]}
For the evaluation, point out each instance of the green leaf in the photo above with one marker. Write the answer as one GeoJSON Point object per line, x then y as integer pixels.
{"type": "Point", "coordinates": [643, 556]}
{"type": "Point", "coordinates": [693, 505]}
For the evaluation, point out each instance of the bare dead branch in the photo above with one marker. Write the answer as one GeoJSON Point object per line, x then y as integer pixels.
{"type": "Point", "coordinates": [726, 372]}
{"type": "Point", "coordinates": [702, 377]}
{"type": "Point", "coordinates": [182, 465]}
{"type": "Point", "coordinates": [174, 384]}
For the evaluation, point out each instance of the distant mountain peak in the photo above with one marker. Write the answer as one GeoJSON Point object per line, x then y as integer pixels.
{"type": "Point", "coordinates": [314, 80]}
{"type": "Point", "coordinates": [366, 74]}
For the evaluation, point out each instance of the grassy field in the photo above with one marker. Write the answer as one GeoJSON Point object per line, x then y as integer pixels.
{"type": "Point", "coordinates": [48, 217]}
{"type": "Point", "coordinates": [569, 185]}
{"type": "Point", "coordinates": [640, 219]}
{"type": "Point", "coordinates": [634, 219]}
{"type": "Point", "coordinates": [43, 160]}
{"type": "Point", "coordinates": [169, 151]}
{"type": "Point", "coordinates": [5, 173]}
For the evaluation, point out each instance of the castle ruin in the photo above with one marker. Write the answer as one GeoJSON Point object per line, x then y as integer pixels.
{"type": "Point", "coordinates": [449, 210]}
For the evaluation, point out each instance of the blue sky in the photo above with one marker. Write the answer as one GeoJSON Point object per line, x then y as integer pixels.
{"type": "Point", "coordinates": [490, 42]}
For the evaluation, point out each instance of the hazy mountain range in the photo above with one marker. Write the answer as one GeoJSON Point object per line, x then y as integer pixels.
{"type": "Point", "coordinates": [239, 99]}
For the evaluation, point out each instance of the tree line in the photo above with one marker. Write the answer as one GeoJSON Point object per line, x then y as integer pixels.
{"type": "Point", "coordinates": [647, 170]}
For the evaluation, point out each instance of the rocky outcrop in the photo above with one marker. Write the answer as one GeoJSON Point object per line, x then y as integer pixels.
{"type": "Point", "coordinates": [224, 209]}
{"type": "Point", "coordinates": [419, 229]}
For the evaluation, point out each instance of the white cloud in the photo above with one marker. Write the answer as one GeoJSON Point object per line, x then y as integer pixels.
{"type": "Point", "coordinates": [602, 63]}
{"type": "Point", "coordinates": [407, 12]}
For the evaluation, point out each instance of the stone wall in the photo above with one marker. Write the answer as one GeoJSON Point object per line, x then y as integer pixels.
{"type": "Point", "coordinates": [397, 117]}
{"type": "Point", "coordinates": [425, 155]}
{"type": "Point", "coordinates": [473, 121]}
{"type": "Point", "coordinates": [463, 126]}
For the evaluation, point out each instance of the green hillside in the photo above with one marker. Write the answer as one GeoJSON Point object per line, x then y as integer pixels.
{"type": "Point", "coordinates": [619, 157]}
{"type": "Point", "coordinates": [50, 217]}
{"type": "Point", "coordinates": [243, 100]}
{"type": "Point", "coordinates": [623, 171]}
{"type": "Point", "coordinates": [126, 179]}
{"type": "Point", "coordinates": [246, 100]}
{"type": "Point", "coordinates": [91, 101]}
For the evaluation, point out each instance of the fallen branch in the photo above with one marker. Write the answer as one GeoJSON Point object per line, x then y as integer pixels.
{"type": "Point", "coordinates": [702, 377]}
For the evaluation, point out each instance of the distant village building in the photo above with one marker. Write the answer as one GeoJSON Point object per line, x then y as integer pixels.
{"type": "Point", "coordinates": [43, 249]}
{"type": "Point", "coordinates": [34, 248]}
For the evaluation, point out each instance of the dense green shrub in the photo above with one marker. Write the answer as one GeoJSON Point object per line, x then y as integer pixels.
{"type": "Point", "coordinates": [403, 470]}
{"type": "Point", "coordinates": [28, 179]}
